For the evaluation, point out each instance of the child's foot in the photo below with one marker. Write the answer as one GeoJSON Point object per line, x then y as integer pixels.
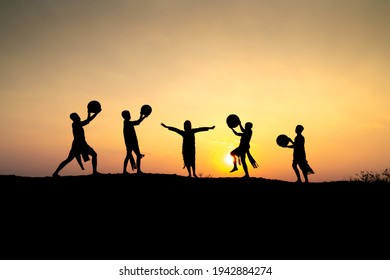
{"type": "Point", "coordinates": [234, 169]}
{"type": "Point", "coordinates": [125, 173]}
{"type": "Point", "coordinates": [55, 175]}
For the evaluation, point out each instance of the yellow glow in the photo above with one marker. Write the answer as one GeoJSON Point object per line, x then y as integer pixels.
{"type": "Point", "coordinates": [228, 160]}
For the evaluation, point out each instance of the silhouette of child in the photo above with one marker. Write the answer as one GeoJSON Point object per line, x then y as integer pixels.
{"type": "Point", "coordinates": [131, 142]}
{"type": "Point", "coordinates": [79, 144]}
{"type": "Point", "coordinates": [188, 145]}
{"type": "Point", "coordinates": [299, 155]}
{"type": "Point", "coordinates": [239, 154]}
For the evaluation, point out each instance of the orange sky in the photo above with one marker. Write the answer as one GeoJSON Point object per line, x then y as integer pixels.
{"type": "Point", "coordinates": [322, 64]}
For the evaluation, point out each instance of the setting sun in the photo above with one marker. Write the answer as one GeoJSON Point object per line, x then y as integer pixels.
{"type": "Point", "coordinates": [228, 160]}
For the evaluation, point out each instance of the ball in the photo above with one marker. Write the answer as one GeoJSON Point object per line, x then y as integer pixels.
{"type": "Point", "coordinates": [232, 121]}
{"type": "Point", "coordinates": [146, 110]}
{"type": "Point", "coordinates": [94, 106]}
{"type": "Point", "coordinates": [282, 140]}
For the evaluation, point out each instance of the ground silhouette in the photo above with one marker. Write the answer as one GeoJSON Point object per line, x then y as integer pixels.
{"type": "Point", "coordinates": [167, 216]}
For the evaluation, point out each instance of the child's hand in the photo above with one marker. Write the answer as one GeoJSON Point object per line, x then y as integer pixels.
{"type": "Point", "coordinates": [95, 113]}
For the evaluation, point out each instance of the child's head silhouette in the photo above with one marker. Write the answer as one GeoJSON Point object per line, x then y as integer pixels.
{"type": "Point", "coordinates": [187, 125]}
{"type": "Point", "coordinates": [74, 117]}
{"type": "Point", "coordinates": [126, 115]}
{"type": "Point", "coordinates": [248, 125]}
{"type": "Point", "coordinates": [299, 129]}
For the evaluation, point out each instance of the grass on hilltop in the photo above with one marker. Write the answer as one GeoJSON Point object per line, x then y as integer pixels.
{"type": "Point", "coordinates": [373, 176]}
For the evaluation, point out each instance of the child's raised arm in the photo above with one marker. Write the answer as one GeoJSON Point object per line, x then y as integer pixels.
{"type": "Point", "coordinates": [171, 128]}
{"type": "Point", "coordinates": [91, 117]}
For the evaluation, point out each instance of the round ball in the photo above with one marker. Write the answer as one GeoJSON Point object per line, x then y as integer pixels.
{"type": "Point", "coordinates": [146, 110]}
{"type": "Point", "coordinates": [232, 121]}
{"type": "Point", "coordinates": [282, 140]}
{"type": "Point", "coordinates": [94, 106]}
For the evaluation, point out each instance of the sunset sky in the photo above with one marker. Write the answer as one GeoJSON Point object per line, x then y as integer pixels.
{"type": "Point", "coordinates": [276, 63]}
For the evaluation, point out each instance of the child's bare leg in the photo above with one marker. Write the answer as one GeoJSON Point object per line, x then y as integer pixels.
{"type": "Point", "coordinates": [125, 162]}
{"type": "Point", "coordinates": [234, 163]}
{"type": "Point", "coordinates": [94, 164]}
{"type": "Point", "coordinates": [129, 157]}
{"type": "Point", "coordinates": [62, 165]}
{"type": "Point", "coordinates": [193, 172]}
{"type": "Point", "coordinates": [305, 176]}
{"type": "Point", "coordinates": [80, 162]}
{"type": "Point", "coordinates": [139, 163]}
{"type": "Point", "coordinates": [297, 173]}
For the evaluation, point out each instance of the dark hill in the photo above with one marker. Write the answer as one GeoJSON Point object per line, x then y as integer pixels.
{"type": "Point", "coordinates": [162, 216]}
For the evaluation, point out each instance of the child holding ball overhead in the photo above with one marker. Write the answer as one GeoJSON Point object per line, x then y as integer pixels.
{"type": "Point", "coordinates": [79, 144]}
